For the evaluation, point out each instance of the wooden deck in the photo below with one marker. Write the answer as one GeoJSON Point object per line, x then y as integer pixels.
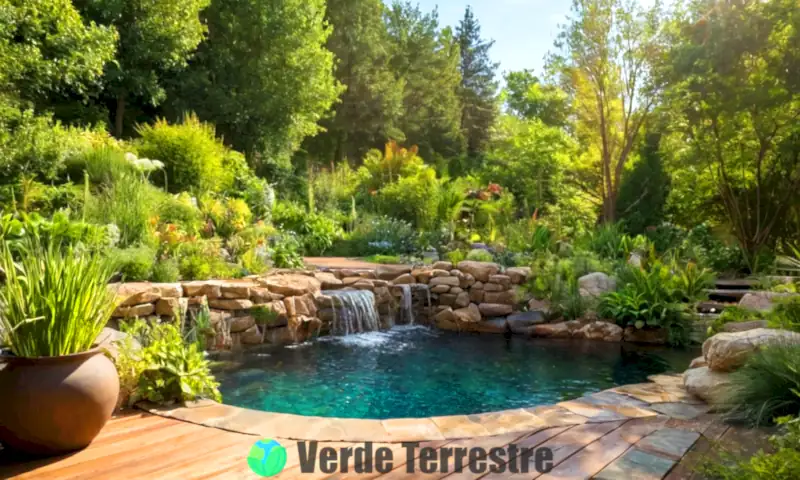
{"type": "Point", "coordinates": [141, 445]}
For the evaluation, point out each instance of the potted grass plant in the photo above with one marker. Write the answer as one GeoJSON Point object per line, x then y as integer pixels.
{"type": "Point", "coordinates": [58, 388]}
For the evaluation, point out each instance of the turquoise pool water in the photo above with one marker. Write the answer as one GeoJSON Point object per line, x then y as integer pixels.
{"type": "Point", "coordinates": [417, 372]}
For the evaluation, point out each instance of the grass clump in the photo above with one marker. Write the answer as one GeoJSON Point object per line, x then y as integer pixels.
{"type": "Point", "coordinates": [55, 300]}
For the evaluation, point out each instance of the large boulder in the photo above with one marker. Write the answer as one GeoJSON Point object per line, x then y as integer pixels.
{"type": "Point", "coordinates": [390, 272]}
{"type": "Point", "coordinates": [404, 279]}
{"type": "Point", "coordinates": [552, 330]}
{"type": "Point", "coordinates": [518, 274]}
{"type": "Point", "coordinates": [707, 384]}
{"type": "Point", "coordinates": [134, 293]}
{"type": "Point", "coordinates": [727, 351]}
{"type": "Point", "coordinates": [328, 280]}
{"type": "Point", "coordinates": [596, 284]}
{"type": "Point", "coordinates": [291, 284]}
{"type": "Point", "coordinates": [522, 323]}
{"type": "Point", "coordinates": [451, 281]}
{"type": "Point", "coordinates": [606, 331]}
{"type": "Point", "coordinates": [495, 309]}
{"type": "Point", "coordinates": [762, 301]}
{"type": "Point", "coordinates": [468, 314]}
{"type": "Point", "coordinates": [480, 270]}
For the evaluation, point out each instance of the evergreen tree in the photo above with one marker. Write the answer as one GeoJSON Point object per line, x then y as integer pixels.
{"type": "Point", "coordinates": [425, 59]}
{"type": "Point", "coordinates": [369, 109]}
{"type": "Point", "coordinates": [644, 190]}
{"type": "Point", "coordinates": [478, 85]}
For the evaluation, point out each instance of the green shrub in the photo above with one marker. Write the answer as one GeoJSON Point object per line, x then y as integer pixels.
{"type": "Point", "coordinates": [31, 147]}
{"type": "Point", "coordinates": [230, 215]}
{"type": "Point", "coordinates": [166, 271]}
{"type": "Point", "coordinates": [767, 386]}
{"type": "Point", "coordinates": [316, 232]}
{"type": "Point", "coordinates": [529, 236]}
{"type": "Point", "coordinates": [285, 252]}
{"type": "Point", "coordinates": [54, 299]}
{"type": "Point", "coordinates": [103, 166]}
{"type": "Point", "coordinates": [135, 264]}
{"type": "Point", "coordinates": [414, 199]}
{"type": "Point", "coordinates": [17, 229]}
{"type": "Point", "coordinates": [733, 314]}
{"type": "Point", "coordinates": [480, 255]}
{"type": "Point", "coordinates": [456, 256]}
{"type": "Point", "coordinates": [181, 210]}
{"type": "Point", "coordinates": [786, 314]}
{"type": "Point", "coordinates": [653, 297]}
{"type": "Point", "coordinates": [610, 241]}
{"type": "Point", "coordinates": [192, 154]}
{"type": "Point", "coordinates": [782, 464]}
{"type": "Point", "coordinates": [383, 259]}
{"type": "Point", "coordinates": [202, 260]}
{"type": "Point", "coordinates": [379, 236]}
{"type": "Point", "coordinates": [168, 367]}
{"type": "Point", "coordinates": [130, 204]}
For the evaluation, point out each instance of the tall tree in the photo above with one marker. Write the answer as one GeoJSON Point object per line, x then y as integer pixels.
{"type": "Point", "coordinates": [478, 86]}
{"type": "Point", "coordinates": [45, 49]}
{"type": "Point", "coordinates": [425, 59]}
{"type": "Point", "coordinates": [733, 71]}
{"type": "Point", "coordinates": [604, 66]}
{"type": "Point", "coordinates": [369, 109]}
{"type": "Point", "coordinates": [156, 38]}
{"type": "Point", "coordinates": [263, 75]}
{"type": "Point", "coordinates": [526, 96]}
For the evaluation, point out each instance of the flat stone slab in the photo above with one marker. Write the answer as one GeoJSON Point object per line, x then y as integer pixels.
{"type": "Point", "coordinates": [636, 465]}
{"type": "Point", "coordinates": [679, 410]}
{"type": "Point", "coordinates": [669, 442]}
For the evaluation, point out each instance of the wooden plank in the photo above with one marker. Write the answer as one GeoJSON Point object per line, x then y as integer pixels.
{"type": "Point", "coordinates": [230, 460]}
{"type": "Point", "coordinates": [292, 468]}
{"type": "Point", "coordinates": [128, 446]}
{"type": "Point", "coordinates": [531, 441]}
{"type": "Point", "coordinates": [594, 457]}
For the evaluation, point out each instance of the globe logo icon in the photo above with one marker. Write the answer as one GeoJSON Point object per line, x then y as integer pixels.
{"type": "Point", "coordinates": [267, 457]}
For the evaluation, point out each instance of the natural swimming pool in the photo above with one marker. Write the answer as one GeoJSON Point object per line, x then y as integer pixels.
{"type": "Point", "coordinates": [418, 372]}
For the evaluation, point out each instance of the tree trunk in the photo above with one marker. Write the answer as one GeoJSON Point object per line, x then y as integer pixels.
{"type": "Point", "coordinates": [119, 117]}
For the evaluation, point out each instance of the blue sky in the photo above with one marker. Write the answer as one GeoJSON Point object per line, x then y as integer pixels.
{"type": "Point", "coordinates": [523, 30]}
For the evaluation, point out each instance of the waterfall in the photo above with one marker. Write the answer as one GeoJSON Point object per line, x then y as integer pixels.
{"type": "Point", "coordinates": [406, 309]}
{"type": "Point", "coordinates": [354, 311]}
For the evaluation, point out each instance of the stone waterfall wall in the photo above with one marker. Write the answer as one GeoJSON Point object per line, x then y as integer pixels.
{"type": "Point", "coordinates": [288, 306]}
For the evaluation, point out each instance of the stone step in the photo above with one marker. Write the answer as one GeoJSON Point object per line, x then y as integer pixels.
{"type": "Point", "coordinates": [736, 284]}
{"type": "Point", "coordinates": [712, 307]}
{"type": "Point", "coordinates": [729, 295]}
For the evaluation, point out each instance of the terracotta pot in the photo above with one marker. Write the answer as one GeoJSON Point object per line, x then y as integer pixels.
{"type": "Point", "coordinates": [51, 405]}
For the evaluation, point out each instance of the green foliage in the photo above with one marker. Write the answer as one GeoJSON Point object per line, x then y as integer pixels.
{"type": "Point", "coordinates": [733, 314]}
{"type": "Point", "coordinates": [285, 252]}
{"type": "Point", "coordinates": [379, 235]}
{"type": "Point", "coordinates": [18, 229]}
{"type": "Point", "coordinates": [168, 367]}
{"type": "Point", "coordinates": [135, 264]}
{"type": "Point", "coordinates": [529, 236]}
{"type": "Point", "coordinates": [47, 48]}
{"type": "Point", "coordinates": [384, 259]}
{"type": "Point", "coordinates": [610, 241]}
{"type": "Point", "coordinates": [480, 255]}
{"type": "Point", "coordinates": [316, 231]}
{"type": "Point", "coordinates": [262, 75]}
{"type": "Point", "coordinates": [767, 386]}
{"type": "Point", "coordinates": [412, 198]}
{"type": "Point", "coordinates": [264, 315]}
{"type": "Point", "coordinates": [54, 298]}
{"type": "Point", "coordinates": [193, 157]}
{"type": "Point", "coordinates": [527, 97]}
{"type": "Point", "coordinates": [528, 158]}
{"type": "Point", "coordinates": [202, 260]}
{"type": "Point", "coordinates": [102, 166]}
{"type": "Point", "coordinates": [654, 296]}
{"type": "Point", "coordinates": [130, 204]}
{"type": "Point", "coordinates": [786, 314]}
{"type": "Point", "coordinates": [182, 210]}
{"type": "Point", "coordinates": [478, 86]}
{"type": "Point", "coordinates": [31, 147]}
{"type": "Point", "coordinates": [781, 464]}
{"type": "Point", "coordinates": [456, 256]}
{"type": "Point", "coordinates": [230, 215]}
{"type": "Point", "coordinates": [156, 37]}
{"type": "Point", "coordinates": [166, 270]}
{"type": "Point", "coordinates": [644, 189]}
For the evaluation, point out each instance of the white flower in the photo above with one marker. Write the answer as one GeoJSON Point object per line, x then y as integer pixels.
{"type": "Point", "coordinates": [131, 157]}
